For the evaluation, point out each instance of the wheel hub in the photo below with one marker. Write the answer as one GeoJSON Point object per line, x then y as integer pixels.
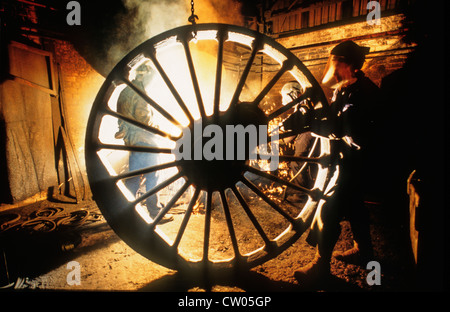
{"type": "Point", "coordinates": [222, 171]}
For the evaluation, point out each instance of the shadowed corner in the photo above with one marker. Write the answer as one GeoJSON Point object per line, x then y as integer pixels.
{"type": "Point", "coordinates": [241, 281]}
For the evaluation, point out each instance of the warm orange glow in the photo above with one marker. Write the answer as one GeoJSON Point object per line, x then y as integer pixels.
{"type": "Point", "coordinates": [171, 59]}
{"type": "Point", "coordinates": [170, 54]}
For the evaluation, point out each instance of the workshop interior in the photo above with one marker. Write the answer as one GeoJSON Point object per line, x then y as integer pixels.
{"type": "Point", "coordinates": [122, 168]}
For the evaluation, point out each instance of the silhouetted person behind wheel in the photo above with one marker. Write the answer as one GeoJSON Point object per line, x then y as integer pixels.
{"type": "Point", "coordinates": [133, 106]}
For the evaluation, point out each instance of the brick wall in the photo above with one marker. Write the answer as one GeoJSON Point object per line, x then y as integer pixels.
{"type": "Point", "coordinates": [387, 50]}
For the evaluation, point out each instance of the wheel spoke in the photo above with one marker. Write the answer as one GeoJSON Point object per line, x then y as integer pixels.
{"type": "Point", "coordinates": [157, 188]}
{"type": "Point", "coordinates": [186, 218]}
{"type": "Point", "coordinates": [264, 197]}
{"type": "Point", "coordinates": [134, 173]}
{"type": "Point", "coordinates": [251, 216]}
{"type": "Point", "coordinates": [313, 193]}
{"type": "Point", "coordinates": [286, 66]}
{"type": "Point", "coordinates": [221, 39]}
{"type": "Point", "coordinates": [151, 102]}
{"type": "Point", "coordinates": [136, 123]}
{"type": "Point", "coordinates": [257, 45]}
{"type": "Point", "coordinates": [170, 204]}
{"type": "Point", "coordinates": [194, 79]}
{"type": "Point", "coordinates": [135, 148]}
{"type": "Point", "coordinates": [207, 227]}
{"type": "Point", "coordinates": [323, 160]}
{"type": "Point", "coordinates": [171, 87]}
{"type": "Point", "coordinates": [231, 231]}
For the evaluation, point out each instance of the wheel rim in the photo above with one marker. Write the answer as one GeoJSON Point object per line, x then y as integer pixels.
{"type": "Point", "coordinates": [226, 213]}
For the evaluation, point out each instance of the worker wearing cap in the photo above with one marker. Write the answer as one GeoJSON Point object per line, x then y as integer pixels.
{"type": "Point", "coordinates": [131, 105]}
{"type": "Point", "coordinates": [301, 142]}
{"type": "Point", "coordinates": [350, 123]}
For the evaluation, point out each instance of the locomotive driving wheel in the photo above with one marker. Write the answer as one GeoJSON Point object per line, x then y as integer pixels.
{"type": "Point", "coordinates": [213, 213]}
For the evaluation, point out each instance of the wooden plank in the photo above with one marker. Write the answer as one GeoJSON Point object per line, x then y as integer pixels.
{"type": "Point", "coordinates": [32, 67]}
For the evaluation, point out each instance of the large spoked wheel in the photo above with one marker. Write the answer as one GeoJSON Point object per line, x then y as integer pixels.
{"type": "Point", "coordinates": [205, 209]}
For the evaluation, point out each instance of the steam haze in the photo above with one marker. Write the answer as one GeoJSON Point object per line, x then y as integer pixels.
{"type": "Point", "coordinates": [140, 20]}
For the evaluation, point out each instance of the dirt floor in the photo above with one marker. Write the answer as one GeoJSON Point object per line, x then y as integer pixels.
{"type": "Point", "coordinates": [39, 257]}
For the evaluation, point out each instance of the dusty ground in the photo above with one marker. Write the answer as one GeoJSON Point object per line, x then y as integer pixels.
{"type": "Point", "coordinates": [40, 261]}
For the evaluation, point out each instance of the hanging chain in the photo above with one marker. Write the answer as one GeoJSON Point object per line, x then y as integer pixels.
{"type": "Point", "coordinates": [193, 17]}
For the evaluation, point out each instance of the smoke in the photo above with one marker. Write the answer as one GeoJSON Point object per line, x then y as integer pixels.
{"type": "Point", "coordinates": [152, 17]}
{"type": "Point", "coordinates": [219, 11]}
{"type": "Point", "coordinates": [141, 20]}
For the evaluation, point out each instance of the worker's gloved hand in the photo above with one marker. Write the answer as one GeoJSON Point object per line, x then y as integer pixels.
{"type": "Point", "coordinates": [300, 121]}
{"type": "Point", "coordinates": [306, 105]}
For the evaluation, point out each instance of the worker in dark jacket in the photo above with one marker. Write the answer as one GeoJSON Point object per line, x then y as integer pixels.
{"type": "Point", "coordinates": [350, 124]}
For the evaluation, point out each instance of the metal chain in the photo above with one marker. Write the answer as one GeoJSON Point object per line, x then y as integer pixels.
{"type": "Point", "coordinates": [193, 17]}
